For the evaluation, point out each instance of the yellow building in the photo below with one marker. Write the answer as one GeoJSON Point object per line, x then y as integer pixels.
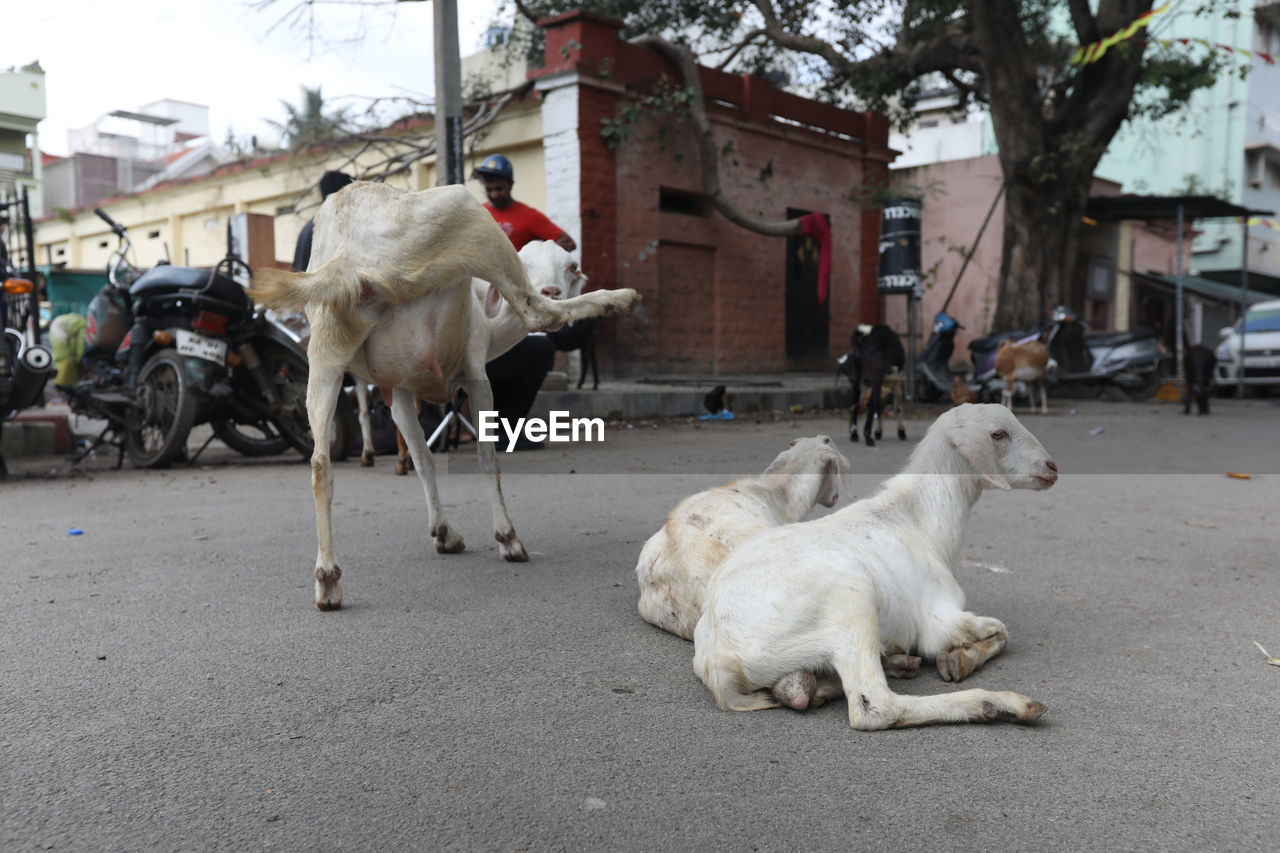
{"type": "Point", "coordinates": [185, 221]}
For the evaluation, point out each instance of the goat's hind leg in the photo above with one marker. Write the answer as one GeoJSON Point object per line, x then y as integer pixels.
{"type": "Point", "coordinates": [509, 545]}
{"type": "Point", "coordinates": [404, 413]}
{"type": "Point", "coordinates": [323, 387]}
{"type": "Point", "coordinates": [872, 705]}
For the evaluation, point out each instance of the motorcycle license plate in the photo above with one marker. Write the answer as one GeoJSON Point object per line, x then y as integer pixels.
{"type": "Point", "coordinates": [189, 343]}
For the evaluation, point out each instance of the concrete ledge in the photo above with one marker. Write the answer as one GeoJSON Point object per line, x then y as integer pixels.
{"type": "Point", "coordinates": [28, 438]}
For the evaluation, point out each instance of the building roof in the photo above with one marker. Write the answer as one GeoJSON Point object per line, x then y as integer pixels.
{"type": "Point", "coordinates": [1117, 207]}
{"type": "Point", "coordinates": [1215, 290]}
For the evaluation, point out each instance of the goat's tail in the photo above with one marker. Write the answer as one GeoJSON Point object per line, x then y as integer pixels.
{"type": "Point", "coordinates": [333, 285]}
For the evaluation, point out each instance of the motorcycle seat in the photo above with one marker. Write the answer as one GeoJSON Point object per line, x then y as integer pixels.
{"type": "Point", "coordinates": [992, 341]}
{"type": "Point", "coordinates": [1115, 339]}
{"type": "Point", "coordinates": [167, 279]}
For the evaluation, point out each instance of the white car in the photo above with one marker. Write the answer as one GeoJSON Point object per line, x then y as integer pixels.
{"type": "Point", "coordinates": [1262, 348]}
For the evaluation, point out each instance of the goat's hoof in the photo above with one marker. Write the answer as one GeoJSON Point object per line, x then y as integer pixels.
{"type": "Point", "coordinates": [871, 442]}
{"type": "Point", "coordinates": [955, 664]}
{"type": "Point", "coordinates": [447, 540]}
{"type": "Point", "coordinates": [1017, 709]}
{"type": "Point", "coordinates": [902, 435]}
{"type": "Point", "coordinates": [511, 548]}
{"type": "Point", "coordinates": [328, 590]}
{"type": "Point", "coordinates": [403, 466]}
{"type": "Point", "coordinates": [900, 665]}
{"type": "Point", "coordinates": [366, 460]}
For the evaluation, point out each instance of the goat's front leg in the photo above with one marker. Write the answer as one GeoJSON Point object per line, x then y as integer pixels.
{"type": "Point", "coordinates": [973, 641]}
{"type": "Point", "coordinates": [509, 545]}
{"type": "Point", "coordinates": [366, 424]}
{"type": "Point", "coordinates": [404, 413]}
{"type": "Point", "coordinates": [323, 387]}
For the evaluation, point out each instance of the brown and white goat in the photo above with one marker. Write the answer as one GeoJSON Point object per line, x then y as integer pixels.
{"type": "Point", "coordinates": [389, 297]}
{"type": "Point", "coordinates": [677, 561]}
{"type": "Point", "coordinates": [1024, 362]}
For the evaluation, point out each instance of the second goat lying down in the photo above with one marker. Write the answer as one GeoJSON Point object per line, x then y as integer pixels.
{"type": "Point", "coordinates": [388, 294]}
{"type": "Point", "coordinates": [830, 596]}
{"type": "Point", "coordinates": [677, 561]}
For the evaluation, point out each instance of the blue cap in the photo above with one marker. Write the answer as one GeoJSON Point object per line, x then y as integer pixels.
{"type": "Point", "coordinates": [497, 166]}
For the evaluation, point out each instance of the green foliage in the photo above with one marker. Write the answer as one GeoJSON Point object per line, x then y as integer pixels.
{"type": "Point", "coordinates": [667, 104]}
{"type": "Point", "coordinates": [312, 122]}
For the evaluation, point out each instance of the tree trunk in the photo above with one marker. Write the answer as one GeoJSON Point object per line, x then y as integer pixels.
{"type": "Point", "coordinates": [1039, 266]}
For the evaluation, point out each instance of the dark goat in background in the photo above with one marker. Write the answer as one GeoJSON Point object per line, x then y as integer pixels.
{"type": "Point", "coordinates": [877, 357]}
{"type": "Point", "coordinates": [580, 335]}
{"type": "Point", "coordinates": [1198, 362]}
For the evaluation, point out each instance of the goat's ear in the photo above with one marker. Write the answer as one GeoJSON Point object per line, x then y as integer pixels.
{"type": "Point", "coordinates": [834, 476]}
{"type": "Point", "coordinates": [492, 302]}
{"type": "Point", "coordinates": [794, 442]}
{"type": "Point", "coordinates": [979, 450]}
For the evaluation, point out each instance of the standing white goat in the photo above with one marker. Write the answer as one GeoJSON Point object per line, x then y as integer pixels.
{"type": "Point", "coordinates": [388, 294]}
{"type": "Point", "coordinates": [558, 277]}
{"type": "Point", "coordinates": [677, 561]}
{"type": "Point", "coordinates": [831, 596]}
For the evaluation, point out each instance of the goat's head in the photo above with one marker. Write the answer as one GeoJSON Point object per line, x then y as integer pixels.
{"type": "Point", "coordinates": [553, 271]}
{"type": "Point", "coordinates": [998, 447]}
{"type": "Point", "coordinates": [816, 456]}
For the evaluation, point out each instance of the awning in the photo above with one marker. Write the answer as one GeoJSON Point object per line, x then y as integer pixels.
{"type": "Point", "coordinates": [1112, 208]}
{"type": "Point", "coordinates": [1225, 293]}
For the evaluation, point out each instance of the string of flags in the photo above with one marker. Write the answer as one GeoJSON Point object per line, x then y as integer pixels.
{"type": "Point", "coordinates": [1268, 223]}
{"type": "Point", "coordinates": [1091, 53]}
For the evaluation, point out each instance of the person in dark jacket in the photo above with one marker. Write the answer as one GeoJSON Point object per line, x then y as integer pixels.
{"type": "Point", "coordinates": [330, 183]}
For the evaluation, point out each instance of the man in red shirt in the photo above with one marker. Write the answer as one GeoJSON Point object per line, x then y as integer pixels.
{"type": "Point", "coordinates": [519, 221]}
{"type": "Point", "coordinates": [516, 376]}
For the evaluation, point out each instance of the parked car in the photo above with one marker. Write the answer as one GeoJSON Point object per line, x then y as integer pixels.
{"type": "Point", "coordinates": [1261, 329]}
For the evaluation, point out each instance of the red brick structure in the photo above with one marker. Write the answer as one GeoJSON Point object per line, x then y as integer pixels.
{"type": "Point", "coordinates": [716, 295]}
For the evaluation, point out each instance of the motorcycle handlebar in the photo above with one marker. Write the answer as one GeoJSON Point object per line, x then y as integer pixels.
{"type": "Point", "coordinates": [116, 227]}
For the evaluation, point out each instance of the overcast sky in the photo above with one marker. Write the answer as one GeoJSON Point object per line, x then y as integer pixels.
{"type": "Point", "coordinates": [104, 55]}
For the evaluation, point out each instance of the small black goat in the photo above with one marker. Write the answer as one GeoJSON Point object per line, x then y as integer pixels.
{"type": "Point", "coordinates": [878, 357]}
{"type": "Point", "coordinates": [580, 335]}
{"type": "Point", "coordinates": [1198, 362]}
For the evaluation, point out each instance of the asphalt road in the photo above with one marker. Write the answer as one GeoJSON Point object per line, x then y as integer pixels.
{"type": "Point", "coordinates": [167, 683]}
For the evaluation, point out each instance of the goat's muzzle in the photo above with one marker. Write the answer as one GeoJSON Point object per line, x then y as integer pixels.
{"type": "Point", "coordinates": [1050, 474]}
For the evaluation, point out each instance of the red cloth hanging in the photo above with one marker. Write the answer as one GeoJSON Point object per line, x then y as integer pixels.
{"type": "Point", "coordinates": [815, 225]}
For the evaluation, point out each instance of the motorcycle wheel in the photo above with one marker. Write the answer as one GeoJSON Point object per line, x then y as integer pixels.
{"type": "Point", "coordinates": [926, 391]}
{"type": "Point", "coordinates": [288, 371]}
{"type": "Point", "coordinates": [163, 411]}
{"type": "Point", "coordinates": [1145, 388]}
{"type": "Point", "coordinates": [242, 438]}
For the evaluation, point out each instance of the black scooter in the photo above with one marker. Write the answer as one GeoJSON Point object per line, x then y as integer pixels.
{"type": "Point", "coordinates": [25, 365]}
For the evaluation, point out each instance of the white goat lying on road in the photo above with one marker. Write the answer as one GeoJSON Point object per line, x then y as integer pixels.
{"type": "Point", "coordinates": [558, 277]}
{"type": "Point", "coordinates": [389, 297]}
{"type": "Point", "coordinates": [677, 561]}
{"type": "Point", "coordinates": [831, 596]}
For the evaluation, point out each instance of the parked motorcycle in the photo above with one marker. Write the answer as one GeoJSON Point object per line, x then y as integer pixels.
{"type": "Point", "coordinates": [934, 362]}
{"type": "Point", "coordinates": [25, 365]}
{"type": "Point", "coordinates": [1128, 361]}
{"type": "Point", "coordinates": [178, 346]}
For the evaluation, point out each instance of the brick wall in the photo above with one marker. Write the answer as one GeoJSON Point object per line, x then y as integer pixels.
{"type": "Point", "coordinates": [714, 292]}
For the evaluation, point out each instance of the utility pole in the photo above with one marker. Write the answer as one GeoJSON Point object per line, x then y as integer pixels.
{"type": "Point", "coordinates": [448, 94]}
{"type": "Point", "coordinates": [448, 116]}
